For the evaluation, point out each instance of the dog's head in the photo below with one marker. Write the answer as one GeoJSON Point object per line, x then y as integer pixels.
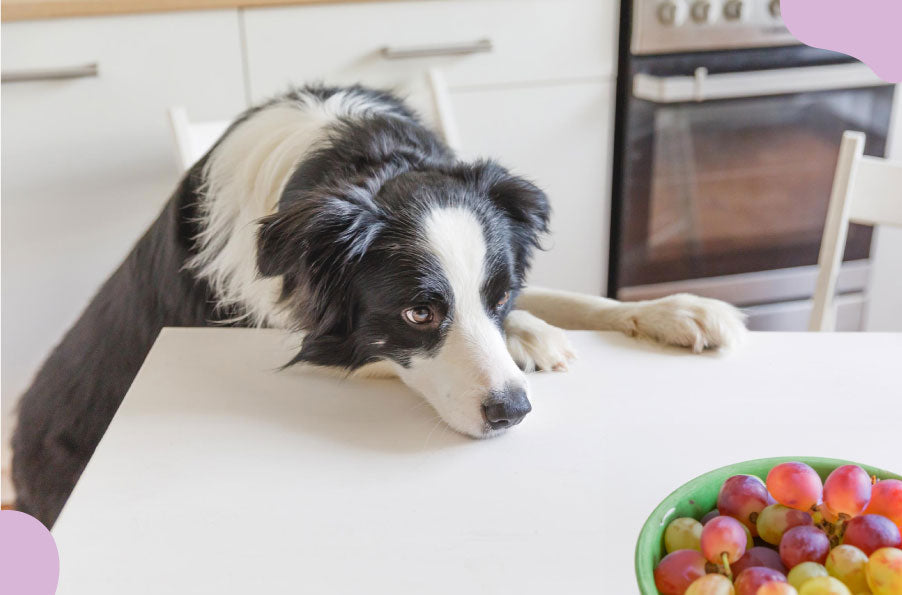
{"type": "Point", "coordinates": [420, 269]}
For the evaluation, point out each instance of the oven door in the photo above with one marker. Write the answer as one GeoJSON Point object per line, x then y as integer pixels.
{"type": "Point", "coordinates": [729, 174]}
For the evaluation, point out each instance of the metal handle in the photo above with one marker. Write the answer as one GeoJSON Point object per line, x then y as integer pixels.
{"type": "Point", "coordinates": [705, 87]}
{"type": "Point", "coordinates": [50, 74]}
{"type": "Point", "coordinates": [426, 51]}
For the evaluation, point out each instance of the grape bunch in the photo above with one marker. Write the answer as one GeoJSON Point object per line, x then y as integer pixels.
{"type": "Point", "coordinates": [790, 535]}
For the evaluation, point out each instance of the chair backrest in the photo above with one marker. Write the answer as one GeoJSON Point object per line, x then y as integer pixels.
{"type": "Point", "coordinates": [193, 139]}
{"type": "Point", "coordinates": [866, 190]}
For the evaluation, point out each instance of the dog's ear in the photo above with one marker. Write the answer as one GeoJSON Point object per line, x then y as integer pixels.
{"type": "Point", "coordinates": [522, 201]}
{"type": "Point", "coordinates": [317, 234]}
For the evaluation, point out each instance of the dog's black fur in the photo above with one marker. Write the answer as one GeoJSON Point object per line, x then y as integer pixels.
{"type": "Point", "coordinates": [346, 243]}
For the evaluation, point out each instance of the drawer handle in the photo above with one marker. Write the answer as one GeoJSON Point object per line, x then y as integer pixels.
{"type": "Point", "coordinates": [427, 51]}
{"type": "Point", "coordinates": [50, 74]}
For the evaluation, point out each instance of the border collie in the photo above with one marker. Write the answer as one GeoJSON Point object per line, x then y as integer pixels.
{"type": "Point", "coordinates": [335, 213]}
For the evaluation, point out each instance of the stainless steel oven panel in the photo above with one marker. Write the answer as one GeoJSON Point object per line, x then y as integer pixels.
{"type": "Point", "coordinates": [666, 26]}
{"type": "Point", "coordinates": [733, 85]}
{"type": "Point", "coordinates": [794, 316]}
{"type": "Point", "coordinates": [756, 288]}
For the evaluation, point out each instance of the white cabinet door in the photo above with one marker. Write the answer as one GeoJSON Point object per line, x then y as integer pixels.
{"type": "Point", "coordinates": [559, 137]}
{"type": "Point", "coordinates": [88, 162]}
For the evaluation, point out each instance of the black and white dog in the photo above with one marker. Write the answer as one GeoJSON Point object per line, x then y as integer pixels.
{"type": "Point", "coordinates": [335, 213]}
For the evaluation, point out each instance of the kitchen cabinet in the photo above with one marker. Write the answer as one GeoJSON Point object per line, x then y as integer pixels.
{"type": "Point", "coordinates": [558, 136]}
{"type": "Point", "coordinates": [88, 162]}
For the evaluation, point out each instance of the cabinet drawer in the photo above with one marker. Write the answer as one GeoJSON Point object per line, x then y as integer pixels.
{"type": "Point", "coordinates": [531, 40]}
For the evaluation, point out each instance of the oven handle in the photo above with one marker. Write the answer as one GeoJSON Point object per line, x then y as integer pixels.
{"type": "Point", "coordinates": [705, 87]}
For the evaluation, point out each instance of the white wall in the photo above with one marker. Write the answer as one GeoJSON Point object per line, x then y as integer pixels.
{"type": "Point", "coordinates": [885, 291]}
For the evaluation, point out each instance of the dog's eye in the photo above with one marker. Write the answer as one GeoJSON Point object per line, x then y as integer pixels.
{"type": "Point", "coordinates": [504, 299]}
{"type": "Point", "coordinates": [419, 315]}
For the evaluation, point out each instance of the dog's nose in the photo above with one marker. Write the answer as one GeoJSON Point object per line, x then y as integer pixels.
{"type": "Point", "coordinates": [506, 408]}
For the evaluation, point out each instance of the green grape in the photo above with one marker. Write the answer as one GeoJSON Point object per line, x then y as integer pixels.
{"type": "Point", "coordinates": [824, 585]}
{"type": "Point", "coordinates": [776, 519]}
{"type": "Point", "coordinates": [800, 574]}
{"type": "Point", "coordinates": [847, 563]}
{"type": "Point", "coordinates": [683, 534]}
{"type": "Point", "coordinates": [711, 584]}
{"type": "Point", "coordinates": [884, 571]}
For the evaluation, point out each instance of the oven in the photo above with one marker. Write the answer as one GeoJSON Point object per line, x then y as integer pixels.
{"type": "Point", "coordinates": [727, 137]}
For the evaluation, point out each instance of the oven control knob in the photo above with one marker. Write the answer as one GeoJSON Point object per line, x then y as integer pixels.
{"type": "Point", "coordinates": [774, 8]}
{"type": "Point", "coordinates": [672, 12]}
{"type": "Point", "coordinates": [734, 10]}
{"type": "Point", "coordinates": [702, 11]}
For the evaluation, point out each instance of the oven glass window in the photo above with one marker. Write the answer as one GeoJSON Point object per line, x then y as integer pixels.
{"type": "Point", "coordinates": [726, 187]}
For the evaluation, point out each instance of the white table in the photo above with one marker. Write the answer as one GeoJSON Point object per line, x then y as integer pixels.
{"type": "Point", "coordinates": [221, 475]}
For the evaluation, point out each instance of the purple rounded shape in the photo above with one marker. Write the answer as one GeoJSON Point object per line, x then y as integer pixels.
{"type": "Point", "coordinates": [29, 561]}
{"type": "Point", "coordinates": [865, 29]}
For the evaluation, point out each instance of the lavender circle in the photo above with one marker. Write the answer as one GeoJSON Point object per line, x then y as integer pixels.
{"type": "Point", "coordinates": [29, 561]}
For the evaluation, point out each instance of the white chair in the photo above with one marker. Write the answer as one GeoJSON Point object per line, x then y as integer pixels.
{"type": "Point", "coordinates": [194, 139]}
{"type": "Point", "coordinates": [866, 190]}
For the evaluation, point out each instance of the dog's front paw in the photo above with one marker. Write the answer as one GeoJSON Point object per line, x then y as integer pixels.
{"type": "Point", "coordinates": [688, 321]}
{"type": "Point", "coordinates": [536, 345]}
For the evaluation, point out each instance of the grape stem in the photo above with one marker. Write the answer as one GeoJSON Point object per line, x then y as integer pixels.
{"type": "Point", "coordinates": [726, 565]}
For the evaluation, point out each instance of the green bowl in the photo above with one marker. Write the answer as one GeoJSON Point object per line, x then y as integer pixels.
{"type": "Point", "coordinates": [697, 497]}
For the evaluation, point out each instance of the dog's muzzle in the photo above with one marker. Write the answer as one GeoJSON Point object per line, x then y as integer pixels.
{"type": "Point", "coordinates": [506, 408]}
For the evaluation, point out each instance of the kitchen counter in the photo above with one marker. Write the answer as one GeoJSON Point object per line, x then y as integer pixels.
{"type": "Point", "coordinates": [222, 475]}
{"type": "Point", "coordinates": [23, 10]}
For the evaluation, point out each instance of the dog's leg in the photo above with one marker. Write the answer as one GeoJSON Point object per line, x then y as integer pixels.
{"type": "Point", "coordinates": [536, 345]}
{"type": "Point", "coordinates": [682, 319]}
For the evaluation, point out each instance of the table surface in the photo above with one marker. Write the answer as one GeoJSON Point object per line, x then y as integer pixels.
{"type": "Point", "coordinates": [222, 475]}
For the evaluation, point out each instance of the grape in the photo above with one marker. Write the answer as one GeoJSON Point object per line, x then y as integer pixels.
{"type": "Point", "coordinates": [884, 571]}
{"type": "Point", "coordinates": [758, 556]}
{"type": "Point", "coordinates": [676, 571]}
{"type": "Point", "coordinates": [804, 544]}
{"type": "Point", "coordinates": [776, 519]}
{"type": "Point", "coordinates": [777, 588]}
{"type": "Point", "coordinates": [683, 534]}
{"type": "Point", "coordinates": [711, 584]}
{"type": "Point", "coordinates": [847, 490]}
{"type": "Point", "coordinates": [795, 485]}
{"type": "Point", "coordinates": [742, 497]}
{"type": "Point", "coordinates": [711, 515]}
{"type": "Point", "coordinates": [751, 579]}
{"type": "Point", "coordinates": [799, 575]}
{"type": "Point", "coordinates": [870, 532]}
{"type": "Point", "coordinates": [886, 500]}
{"type": "Point", "coordinates": [723, 535]}
{"type": "Point", "coordinates": [847, 563]}
{"type": "Point", "coordinates": [824, 585]}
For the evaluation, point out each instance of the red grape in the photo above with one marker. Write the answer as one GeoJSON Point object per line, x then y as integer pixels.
{"type": "Point", "coordinates": [751, 579]}
{"type": "Point", "coordinates": [804, 544]}
{"type": "Point", "coordinates": [743, 497]}
{"type": "Point", "coordinates": [870, 532]}
{"type": "Point", "coordinates": [847, 490]}
{"type": "Point", "coordinates": [776, 519]}
{"type": "Point", "coordinates": [795, 485]}
{"type": "Point", "coordinates": [886, 500]}
{"type": "Point", "coordinates": [759, 557]}
{"type": "Point", "coordinates": [711, 515]}
{"type": "Point", "coordinates": [723, 535]}
{"type": "Point", "coordinates": [676, 571]}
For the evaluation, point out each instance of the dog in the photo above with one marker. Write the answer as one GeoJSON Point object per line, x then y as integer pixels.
{"type": "Point", "coordinates": [335, 213]}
